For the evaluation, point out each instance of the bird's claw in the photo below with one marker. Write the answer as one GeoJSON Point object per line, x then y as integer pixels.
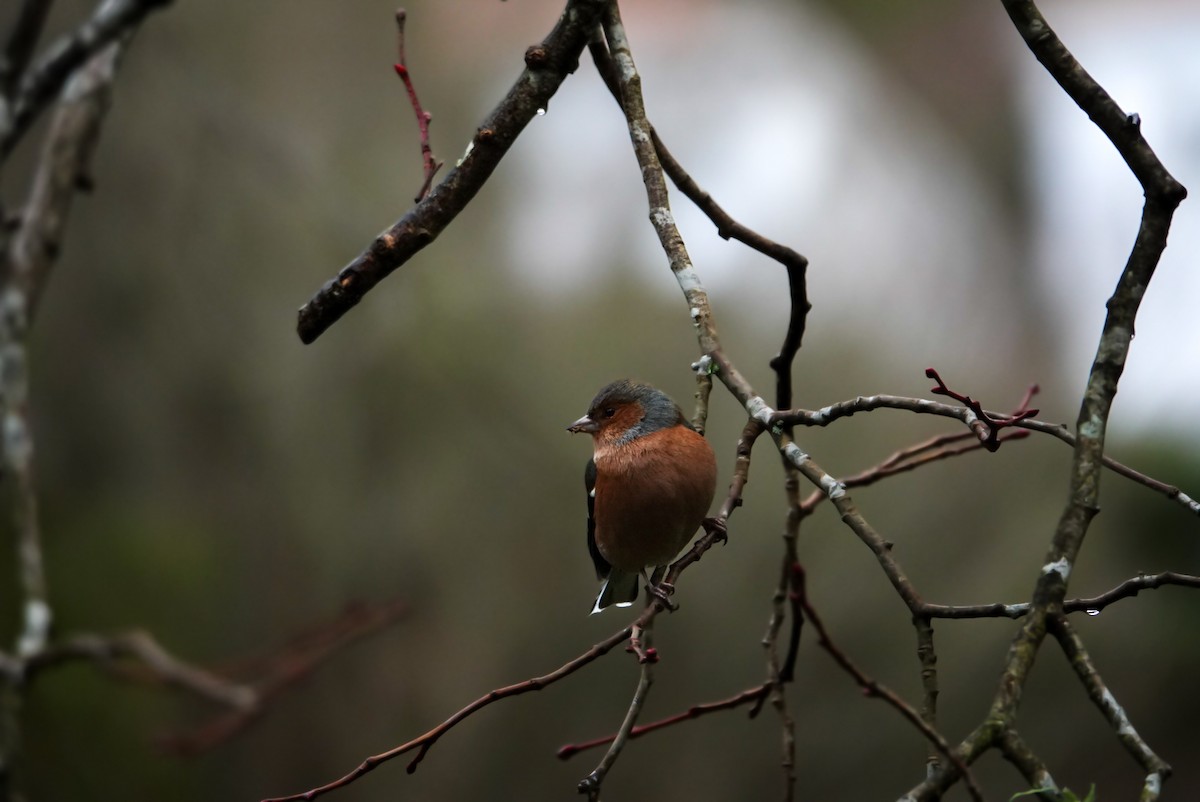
{"type": "Point", "coordinates": [662, 591]}
{"type": "Point", "coordinates": [716, 528]}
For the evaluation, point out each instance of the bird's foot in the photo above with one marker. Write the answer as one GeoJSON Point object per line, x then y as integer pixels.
{"type": "Point", "coordinates": [663, 591]}
{"type": "Point", "coordinates": [717, 528]}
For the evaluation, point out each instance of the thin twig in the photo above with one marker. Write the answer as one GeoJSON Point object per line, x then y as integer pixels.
{"type": "Point", "coordinates": [424, 118]}
{"type": "Point", "coordinates": [921, 406]}
{"type": "Point", "coordinates": [779, 673]}
{"type": "Point", "coordinates": [986, 427]}
{"type": "Point", "coordinates": [789, 558]}
{"type": "Point", "coordinates": [754, 696]}
{"type": "Point", "coordinates": [905, 460]}
{"type": "Point", "coordinates": [590, 785]}
{"type": "Point", "coordinates": [927, 657]}
{"type": "Point", "coordinates": [1156, 768]}
{"type": "Point", "coordinates": [1092, 606]}
{"type": "Point", "coordinates": [424, 742]}
{"type": "Point", "coordinates": [137, 656]}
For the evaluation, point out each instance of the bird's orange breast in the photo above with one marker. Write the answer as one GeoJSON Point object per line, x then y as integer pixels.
{"type": "Point", "coordinates": [651, 495]}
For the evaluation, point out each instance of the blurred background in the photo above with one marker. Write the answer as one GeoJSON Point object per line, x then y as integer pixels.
{"type": "Point", "coordinates": [207, 477]}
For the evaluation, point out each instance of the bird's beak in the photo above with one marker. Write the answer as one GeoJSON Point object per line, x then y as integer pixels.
{"type": "Point", "coordinates": [584, 424]}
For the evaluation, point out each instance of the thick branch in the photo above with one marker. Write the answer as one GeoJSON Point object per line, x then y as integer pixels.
{"type": "Point", "coordinates": [112, 19]}
{"type": "Point", "coordinates": [21, 43]}
{"type": "Point", "coordinates": [1163, 195]}
{"type": "Point", "coordinates": [24, 269]}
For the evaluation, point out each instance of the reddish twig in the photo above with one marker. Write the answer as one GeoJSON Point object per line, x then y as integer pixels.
{"type": "Point", "coordinates": [638, 645]}
{"type": "Point", "coordinates": [431, 165]}
{"type": "Point", "coordinates": [757, 695]}
{"type": "Point", "coordinates": [934, 449]}
{"type": "Point", "coordinates": [986, 426]}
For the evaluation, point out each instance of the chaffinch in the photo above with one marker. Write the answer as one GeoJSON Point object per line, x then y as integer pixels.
{"type": "Point", "coordinates": [649, 484]}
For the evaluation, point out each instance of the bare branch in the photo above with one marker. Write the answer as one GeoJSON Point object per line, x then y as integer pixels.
{"type": "Point", "coordinates": [661, 219]}
{"type": "Point", "coordinates": [1092, 606]}
{"type": "Point", "coordinates": [921, 406]}
{"type": "Point", "coordinates": [729, 228]}
{"type": "Point", "coordinates": [755, 696]}
{"type": "Point", "coordinates": [24, 269]}
{"type": "Point", "coordinates": [1017, 752]}
{"type": "Point", "coordinates": [1163, 195]}
{"type": "Point", "coordinates": [547, 66]}
{"type": "Point", "coordinates": [986, 427]}
{"type": "Point", "coordinates": [1156, 768]}
{"type": "Point", "coordinates": [273, 673]}
{"type": "Point", "coordinates": [62, 170]}
{"type": "Point", "coordinates": [590, 785]}
{"type": "Point", "coordinates": [157, 664]}
{"type": "Point", "coordinates": [138, 657]}
{"type": "Point", "coordinates": [424, 742]}
{"type": "Point", "coordinates": [112, 19]}
{"type": "Point", "coordinates": [22, 41]}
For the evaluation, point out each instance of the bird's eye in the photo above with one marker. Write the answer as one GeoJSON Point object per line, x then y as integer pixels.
{"type": "Point", "coordinates": [609, 412]}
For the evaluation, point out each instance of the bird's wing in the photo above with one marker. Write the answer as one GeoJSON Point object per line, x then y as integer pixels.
{"type": "Point", "coordinates": [589, 481]}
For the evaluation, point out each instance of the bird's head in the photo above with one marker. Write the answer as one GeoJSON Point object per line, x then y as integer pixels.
{"type": "Point", "coordinates": [625, 410]}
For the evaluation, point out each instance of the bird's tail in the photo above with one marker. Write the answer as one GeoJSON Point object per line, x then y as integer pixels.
{"type": "Point", "coordinates": [619, 589]}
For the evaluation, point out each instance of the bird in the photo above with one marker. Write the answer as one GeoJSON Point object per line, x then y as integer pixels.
{"type": "Point", "coordinates": [650, 482]}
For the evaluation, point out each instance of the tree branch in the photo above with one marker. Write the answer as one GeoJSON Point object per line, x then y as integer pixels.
{"type": "Point", "coordinates": [546, 67]}
{"type": "Point", "coordinates": [844, 409]}
{"type": "Point", "coordinates": [1163, 195]}
{"type": "Point", "coordinates": [42, 82]}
